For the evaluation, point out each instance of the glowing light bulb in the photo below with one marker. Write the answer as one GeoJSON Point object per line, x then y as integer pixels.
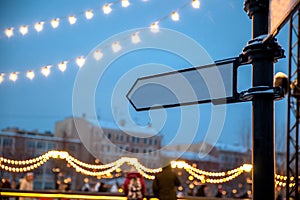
{"type": "Point", "coordinates": [55, 23]}
{"type": "Point", "coordinates": [30, 74]}
{"type": "Point", "coordinates": [175, 16]}
{"type": "Point", "coordinates": [89, 14]}
{"type": "Point", "coordinates": [72, 19]}
{"type": "Point", "coordinates": [247, 167]}
{"type": "Point", "coordinates": [23, 30]}
{"type": "Point", "coordinates": [1, 78]}
{"type": "Point", "coordinates": [135, 38]}
{"type": "Point", "coordinates": [106, 9]}
{"type": "Point", "coordinates": [46, 70]}
{"type": "Point", "coordinates": [13, 76]}
{"type": "Point", "coordinates": [9, 32]}
{"type": "Point", "coordinates": [154, 27]}
{"type": "Point", "coordinates": [196, 3]}
{"type": "Point", "coordinates": [125, 3]}
{"type": "Point", "coordinates": [98, 55]}
{"type": "Point", "coordinates": [39, 26]}
{"type": "Point", "coordinates": [62, 66]}
{"type": "Point", "coordinates": [80, 61]}
{"type": "Point", "coordinates": [116, 47]}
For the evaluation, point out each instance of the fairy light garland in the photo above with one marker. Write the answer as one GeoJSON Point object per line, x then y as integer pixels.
{"type": "Point", "coordinates": [98, 54]}
{"type": "Point", "coordinates": [19, 166]}
{"type": "Point", "coordinates": [72, 19]}
{"type": "Point", "coordinates": [88, 15]}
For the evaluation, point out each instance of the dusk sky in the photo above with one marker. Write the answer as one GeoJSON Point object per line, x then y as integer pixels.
{"type": "Point", "coordinates": [222, 28]}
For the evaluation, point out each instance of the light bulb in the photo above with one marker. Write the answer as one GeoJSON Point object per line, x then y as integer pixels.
{"type": "Point", "coordinates": [116, 47]}
{"type": "Point", "coordinates": [135, 38]}
{"type": "Point", "coordinates": [13, 76]}
{"type": "Point", "coordinates": [72, 19]}
{"type": "Point", "coordinates": [175, 16]}
{"type": "Point", "coordinates": [62, 66]}
{"type": "Point", "coordinates": [89, 14]}
{"type": "Point", "coordinates": [9, 32]}
{"type": "Point", "coordinates": [23, 30]}
{"type": "Point", "coordinates": [125, 3]}
{"type": "Point", "coordinates": [80, 61]}
{"type": "Point", "coordinates": [46, 70]}
{"type": "Point", "coordinates": [55, 23]}
{"type": "Point", "coordinates": [30, 74]}
{"type": "Point", "coordinates": [154, 27]}
{"type": "Point", "coordinates": [39, 26]}
{"type": "Point", "coordinates": [196, 3]}
{"type": "Point", "coordinates": [106, 9]}
{"type": "Point", "coordinates": [98, 55]}
{"type": "Point", "coordinates": [1, 78]}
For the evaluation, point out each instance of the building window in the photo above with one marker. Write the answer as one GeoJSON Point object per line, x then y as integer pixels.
{"type": "Point", "coordinates": [145, 140]}
{"type": "Point", "coordinates": [109, 135]}
{"type": "Point", "coordinates": [137, 140]}
{"type": "Point", "coordinates": [30, 144]}
{"type": "Point", "coordinates": [133, 139]}
{"type": "Point", "coordinates": [150, 141]}
{"type": "Point", "coordinates": [127, 139]}
{"type": "Point", "coordinates": [51, 146]}
{"type": "Point", "coordinates": [121, 138]}
{"type": "Point", "coordinates": [155, 142]}
{"type": "Point", "coordinates": [72, 148]}
{"type": "Point", "coordinates": [41, 145]}
{"type": "Point", "coordinates": [7, 142]}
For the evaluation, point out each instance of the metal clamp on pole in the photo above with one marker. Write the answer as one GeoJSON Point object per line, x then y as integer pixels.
{"type": "Point", "coordinates": [276, 93]}
{"type": "Point", "coordinates": [256, 49]}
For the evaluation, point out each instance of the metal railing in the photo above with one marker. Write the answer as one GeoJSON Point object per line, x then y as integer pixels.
{"type": "Point", "coordinates": [55, 195]}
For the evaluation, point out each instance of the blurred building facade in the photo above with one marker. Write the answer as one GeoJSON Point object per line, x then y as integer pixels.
{"type": "Point", "coordinates": [22, 145]}
{"type": "Point", "coordinates": [89, 143]}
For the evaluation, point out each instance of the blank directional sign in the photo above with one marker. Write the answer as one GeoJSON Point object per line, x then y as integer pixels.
{"type": "Point", "coordinates": [216, 83]}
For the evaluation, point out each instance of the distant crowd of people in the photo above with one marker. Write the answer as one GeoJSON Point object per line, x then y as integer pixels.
{"type": "Point", "coordinates": [25, 183]}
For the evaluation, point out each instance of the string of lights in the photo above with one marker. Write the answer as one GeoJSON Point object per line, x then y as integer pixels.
{"type": "Point", "coordinates": [98, 54]}
{"type": "Point", "coordinates": [71, 19]}
{"type": "Point", "coordinates": [19, 166]}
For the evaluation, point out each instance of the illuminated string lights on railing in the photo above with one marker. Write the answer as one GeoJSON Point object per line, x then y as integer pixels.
{"type": "Point", "coordinates": [212, 177]}
{"type": "Point", "coordinates": [80, 60]}
{"type": "Point", "coordinates": [98, 170]}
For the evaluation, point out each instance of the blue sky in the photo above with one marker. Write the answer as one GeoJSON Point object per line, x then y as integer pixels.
{"type": "Point", "coordinates": [222, 28]}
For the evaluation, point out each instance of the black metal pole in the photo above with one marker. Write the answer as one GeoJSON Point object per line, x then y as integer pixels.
{"type": "Point", "coordinates": [262, 105]}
